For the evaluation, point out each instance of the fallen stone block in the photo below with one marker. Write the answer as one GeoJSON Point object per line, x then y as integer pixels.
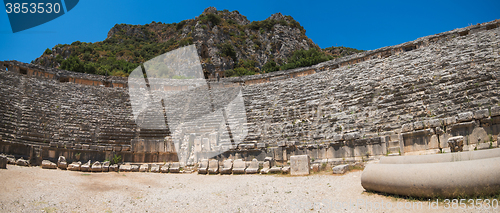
{"type": "Point", "coordinates": [456, 143]}
{"type": "Point", "coordinates": [105, 166]}
{"type": "Point", "coordinates": [114, 168]}
{"type": "Point", "coordinates": [285, 170]}
{"type": "Point", "coordinates": [46, 164]}
{"type": "Point", "coordinates": [75, 166]}
{"type": "Point", "coordinates": [22, 162]}
{"type": "Point", "coordinates": [253, 168]}
{"type": "Point", "coordinates": [203, 167]}
{"type": "Point", "coordinates": [96, 167]}
{"type": "Point", "coordinates": [125, 167]}
{"type": "Point", "coordinates": [175, 167]}
{"type": "Point", "coordinates": [144, 168]}
{"type": "Point", "coordinates": [61, 163]}
{"type": "Point", "coordinates": [227, 166]}
{"type": "Point", "coordinates": [299, 165]}
{"type": "Point", "coordinates": [3, 162]}
{"type": "Point", "coordinates": [213, 166]}
{"type": "Point", "coordinates": [155, 168]}
{"type": "Point", "coordinates": [11, 160]}
{"type": "Point", "coordinates": [134, 168]}
{"type": "Point", "coordinates": [316, 167]}
{"type": "Point", "coordinates": [340, 169]}
{"type": "Point", "coordinates": [275, 170]}
{"type": "Point", "coordinates": [239, 166]}
{"type": "Point", "coordinates": [265, 167]}
{"type": "Point", "coordinates": [164, 168]}
{"type": "Point", "coordinates": [474, 178]}
{"type": "Point", "coordinates": [86, 167]}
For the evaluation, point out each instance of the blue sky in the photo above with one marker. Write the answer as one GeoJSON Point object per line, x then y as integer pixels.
{"type": "Point", "coordinates": [359, 24]}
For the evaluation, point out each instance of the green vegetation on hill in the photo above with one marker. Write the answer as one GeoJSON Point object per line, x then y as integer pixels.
{"type": "Point", "coordinates": [239, 42]}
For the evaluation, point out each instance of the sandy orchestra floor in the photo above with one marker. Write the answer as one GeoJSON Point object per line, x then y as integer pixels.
{"type": "Point", "coordinates": [32, 189]}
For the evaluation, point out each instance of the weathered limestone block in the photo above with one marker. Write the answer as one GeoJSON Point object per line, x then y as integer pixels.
{"type": "Point", "coordinates": [22, 162]}
{"type": "Point", "coordinates": [105, 166]}
{"type": "Point", "coordinates": [125, 167]}
{"type": "Point", "coordinates": [11, 160]}
{"type": "Point", "coordinates": [456, 144]}
{"type": "Point", "coordinates": [450, 120]}
{"type": "Point", "coordinates": [432, 123]}
{"type": "Point", "coordinates": [285, 169]}
{"type": "Point", "coordinates": [340, 169]}
{"type": "Point", "coordinates": [213, 166]}
{"type": "Point", "coordinates": [203, 167]}
{"type": "Point", "coordinates": [155, 168]}
{"type": "Point", "coordinates": [495, 111]}
{"type": "Point", "coordinates": [316, 167]}
{"type": "Point", "coordinates": [433, 142]}
{"type": "Point", "coordinates": [144, 167]}
{"type": "Point", "coordinates": [352, 136]}
{"type": "Point", "coordinates": [337, 137]}
{"type": "Point", "coordinates": [96, 167]}
{"type": "Point", "coordinates": [239, 166]}
{"type": "Point", "coordinates": [61, 163]}
{"type": "Point", "coordinates": [480, 114]}
{"type": "Point", "coordinates": [261, 145]}
{"type": "Point", "coordinates": [253, 168]}
{"type": "Point", "coordinates": [465, 116]}
{"type": "Point", "coordinates": [299, 165]}
{"type": "Point", "coordinates": [75, 166]}
{"type": "Point", "coordinates": [418, 125]}
{"type": "Point", "coordinates": [3, 162]}
{"type": "Point", "coordinates": [46, 164]}
{"type": "Point", "coordinates": [407, 127]}
{"type": "Point", "coordinates": [265, 167]}
{"type": "Point", "coordinates": [275, 169]}
{"type": "Point", "coordinates": [114, 168]}
{"type": "Point", "coordinates": [175, 167]}
{"type": "Point", "coordinates": [164, 168]}
{"type": "Point", "coordinates": [227, 167]}
{"type": "Point", "coordinates": [478, 135]}
{"type": "Point", "coordinates": [134, 168]}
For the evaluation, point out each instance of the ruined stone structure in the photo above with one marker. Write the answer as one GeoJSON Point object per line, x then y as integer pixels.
{"type": "Point", "coordinates": [398, 99]}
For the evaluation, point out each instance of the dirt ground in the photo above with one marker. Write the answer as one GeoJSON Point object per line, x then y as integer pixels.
{"type": "Point", "coordinates": [32, 189]}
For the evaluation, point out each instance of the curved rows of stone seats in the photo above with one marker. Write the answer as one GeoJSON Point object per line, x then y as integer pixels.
{"type": "Point", "coordinates": [353, 107]}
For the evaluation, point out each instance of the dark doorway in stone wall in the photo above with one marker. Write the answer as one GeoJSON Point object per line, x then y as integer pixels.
{"type": "Point", "coordinates": [63, 79]}
{"type": "Point", "coordinates": [409, 48]}
{"type": "Point", "coordinates": [23, 71]}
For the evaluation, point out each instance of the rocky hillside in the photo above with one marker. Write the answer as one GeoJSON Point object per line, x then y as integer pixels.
{"type": "Point", "coordinates": [227, 43]}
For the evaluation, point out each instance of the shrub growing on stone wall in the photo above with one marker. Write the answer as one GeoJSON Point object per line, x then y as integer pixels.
{"type": "Point", "coordinates": [305, 58]}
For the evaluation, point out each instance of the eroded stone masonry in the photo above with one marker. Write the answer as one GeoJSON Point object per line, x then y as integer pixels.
{"type": "Point", "coordinates": [394, 100]}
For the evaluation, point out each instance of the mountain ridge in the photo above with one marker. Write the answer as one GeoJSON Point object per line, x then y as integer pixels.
{"type": "Point", "coordinates": [227, 43]}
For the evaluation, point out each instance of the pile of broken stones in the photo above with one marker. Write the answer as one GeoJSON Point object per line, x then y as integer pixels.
{"type": "Point", "coordinates": [206, 166]}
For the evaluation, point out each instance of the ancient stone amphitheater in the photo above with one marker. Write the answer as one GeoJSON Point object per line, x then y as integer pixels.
{"type": "Point", "coordinates": [396, 100]}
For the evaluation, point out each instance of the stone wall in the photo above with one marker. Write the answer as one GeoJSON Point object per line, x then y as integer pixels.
{"type": "Point", "coordinates": [398, 99]}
